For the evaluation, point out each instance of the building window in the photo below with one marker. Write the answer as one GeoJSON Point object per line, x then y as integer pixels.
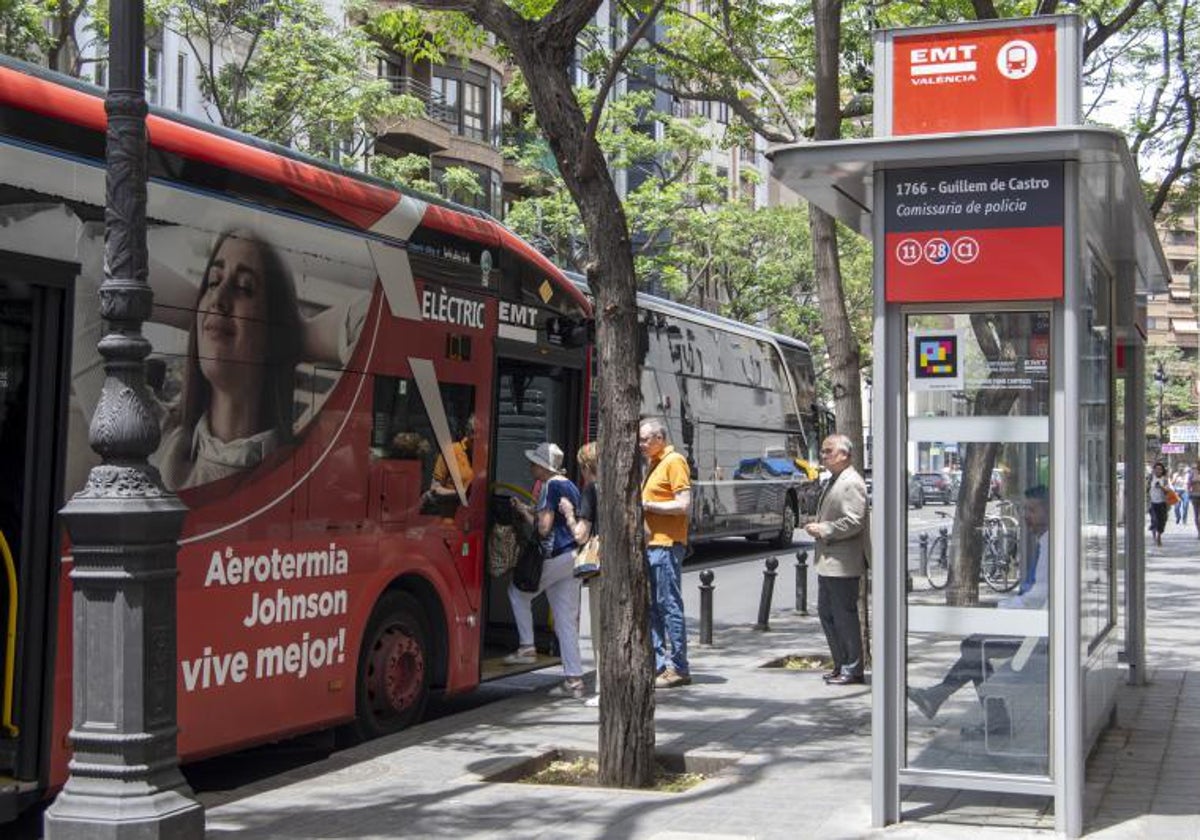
{"type": "Point", "coordinates": [497, 112]}
{"type": "Point", "coordinates": [474, 111]}
{"type": "Point", "coordinates": [181, 78]}
{"type": "Point", "coordinates": [464, 103]}
{"type": "Point", "coordinates": [394, 74]}
{"type": "Point", "coordinates": [444, 106]}
{"type": "Point", "coordinates": [153, 75]}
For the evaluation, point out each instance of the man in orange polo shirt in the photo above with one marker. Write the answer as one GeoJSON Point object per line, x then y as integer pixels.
{"type": "Point", "coordinates": [666, 503]}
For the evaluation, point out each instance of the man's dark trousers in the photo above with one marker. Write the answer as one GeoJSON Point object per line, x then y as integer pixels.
{"type": "Point", "coordinates": [837, 607]}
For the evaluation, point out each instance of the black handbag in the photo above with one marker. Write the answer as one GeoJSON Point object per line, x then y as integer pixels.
{"type": "Point", "coordinates": [527, 574]}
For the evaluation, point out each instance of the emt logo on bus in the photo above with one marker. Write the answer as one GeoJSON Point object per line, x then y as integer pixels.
{"type": "Point", "coordinates": [973, 80]}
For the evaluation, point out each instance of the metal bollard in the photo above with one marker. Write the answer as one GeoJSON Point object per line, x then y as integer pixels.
{"type": "Point", "coordinates": [923, 552]}
{"type": "Point", "coordinates": [802, 582]}
{"type": "Point", "coordinates": [764, 601]}
{"type": "Point", "coordinates": [706, 606]}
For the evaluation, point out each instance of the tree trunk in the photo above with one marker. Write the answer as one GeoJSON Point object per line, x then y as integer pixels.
{"type": "Point", "coordinates": [845, 358]}
{"type": "Point", "coordinates": [995, 337]}
{"type": "Point", "coordinates": [626, 744]}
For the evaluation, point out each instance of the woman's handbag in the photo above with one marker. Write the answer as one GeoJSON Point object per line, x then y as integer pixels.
{"type": "Point", "coordinates": [527, 574]}
{"type": "Point", "coordinates": [587, 559]}
{"type": "Point", "coordinates": [1172, 498]}
{"type": "Point", "coordinates": [504, 549]}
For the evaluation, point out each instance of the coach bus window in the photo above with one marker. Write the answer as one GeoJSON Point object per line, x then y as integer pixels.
{"type": "Point", "coordinates": [402, 430]}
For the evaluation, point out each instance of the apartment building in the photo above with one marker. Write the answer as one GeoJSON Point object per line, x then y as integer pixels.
{"type": "Point", "coordinates": [462, 124]}
{"type": "Point", "coordinates": [1171, 318]}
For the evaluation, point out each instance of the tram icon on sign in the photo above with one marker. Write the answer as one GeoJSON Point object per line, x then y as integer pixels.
{"type": "Point", "coordinates": [1016, 59]}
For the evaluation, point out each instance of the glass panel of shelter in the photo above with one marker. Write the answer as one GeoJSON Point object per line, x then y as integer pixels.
{"type": "Point", "coordinates": [978, 455]}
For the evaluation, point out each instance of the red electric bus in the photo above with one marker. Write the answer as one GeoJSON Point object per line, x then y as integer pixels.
{"type": "Point", "coordinates": [344, 375]}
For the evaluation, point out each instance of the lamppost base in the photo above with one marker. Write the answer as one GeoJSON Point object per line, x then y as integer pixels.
{"type": "Point", "coordinates": [161, 815]}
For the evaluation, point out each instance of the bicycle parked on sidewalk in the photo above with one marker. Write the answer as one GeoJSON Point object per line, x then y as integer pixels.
{"type": "Point", "coordinates": [999, 565]}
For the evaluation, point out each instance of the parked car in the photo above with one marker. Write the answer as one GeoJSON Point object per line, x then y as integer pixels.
{"type": "Point", "coordinates": [916, 492]}
{"type": "Point", "coordinates": [936, 487]}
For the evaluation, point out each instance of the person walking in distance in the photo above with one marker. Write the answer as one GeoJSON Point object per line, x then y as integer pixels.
{"type": "Point", "coordinates": [843, 551]}
{"type": "Point", "coordinates": [1194, 494]}
{"type": "Point", "coordinates": [666, 504]}
{"type": "Point", "coordinates": [1156, 494]}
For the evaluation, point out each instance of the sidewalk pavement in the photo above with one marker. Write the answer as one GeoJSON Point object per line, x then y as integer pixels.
{"type": "Point", "coordinates": [801, 753]}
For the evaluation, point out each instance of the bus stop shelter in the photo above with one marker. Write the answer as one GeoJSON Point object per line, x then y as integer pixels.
{"type": "Point", "coordinates": [1011, 268]}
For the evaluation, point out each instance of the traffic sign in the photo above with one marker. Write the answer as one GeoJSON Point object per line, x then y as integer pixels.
{"type": "Point", "coordinates": [1185, 433]}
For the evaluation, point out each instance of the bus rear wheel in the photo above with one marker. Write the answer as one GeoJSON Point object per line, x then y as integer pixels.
{"type": "Point", "coordinates": [393, 667]}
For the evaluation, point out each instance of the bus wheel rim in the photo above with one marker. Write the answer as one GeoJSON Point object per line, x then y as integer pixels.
{"type": "Point", "coordinates": [398, 671]}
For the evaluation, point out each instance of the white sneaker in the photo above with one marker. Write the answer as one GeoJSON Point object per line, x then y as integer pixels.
{"type": "Point", "coordinates": [570, 687]}
{"type": "Point", "coordinates": [522, 656]}
{"type": "Point", "coordinates": [592, 702]}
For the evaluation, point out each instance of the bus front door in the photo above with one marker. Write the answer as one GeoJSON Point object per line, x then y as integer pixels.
{"type": "Point", "coordinates": [535, 403]}
{"type": "Point", "coordinates": [34, 341]}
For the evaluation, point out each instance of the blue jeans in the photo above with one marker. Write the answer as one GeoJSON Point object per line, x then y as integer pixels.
{"type": "Point", "coordinates": [667, 624]}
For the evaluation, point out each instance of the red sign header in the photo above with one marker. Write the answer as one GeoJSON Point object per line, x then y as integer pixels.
{"type": "Point", "coordinates": [975, 79]}
{"type": "Point", "coordinates": [980, 232]}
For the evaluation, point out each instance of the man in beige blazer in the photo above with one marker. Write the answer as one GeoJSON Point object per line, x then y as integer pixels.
{"type": "Point", "coordinates": [843, 550]}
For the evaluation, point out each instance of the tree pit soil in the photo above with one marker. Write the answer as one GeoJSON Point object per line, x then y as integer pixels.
{"type": "Point", "coordinates": [800, 662]}
{"type": "Point", "coordinates": [572, 768]}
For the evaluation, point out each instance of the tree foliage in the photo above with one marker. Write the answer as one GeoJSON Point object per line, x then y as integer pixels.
{"type": "Point", "coordinates": [438, 38]}
{"type": "Point", "coordinates": [284, 71]}
{"type": "Point", "coordinates": [23, 32]}
{"type": "Point", "coordinates": [413, 171]}
{"type": "Point", "coordinates": [47, 31]}
{"type": "Point", "coordinates": [1146, 80]}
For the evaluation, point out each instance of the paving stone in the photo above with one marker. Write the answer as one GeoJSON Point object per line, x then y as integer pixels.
{"type": "Point", "coordinates": [803, 750]}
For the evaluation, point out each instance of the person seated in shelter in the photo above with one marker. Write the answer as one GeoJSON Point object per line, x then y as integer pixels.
{"type": "Point", "coordinates": [972, 665]}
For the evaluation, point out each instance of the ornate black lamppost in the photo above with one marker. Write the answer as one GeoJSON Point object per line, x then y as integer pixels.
{"type": "Point", "coordinates": [124, 774]}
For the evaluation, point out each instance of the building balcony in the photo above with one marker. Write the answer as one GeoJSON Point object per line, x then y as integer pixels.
{"type": "Point", "coordinates": [424, 135]}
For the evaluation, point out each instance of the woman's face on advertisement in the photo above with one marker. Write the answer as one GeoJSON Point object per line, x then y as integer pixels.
{"type": "Point", "coordinates": [231, 328]}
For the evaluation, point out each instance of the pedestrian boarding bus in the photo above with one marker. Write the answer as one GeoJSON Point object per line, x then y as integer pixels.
{"type": "Point", "coordinates": [344, 373]}
{"type": "Point", "coordinates": [740, 403]}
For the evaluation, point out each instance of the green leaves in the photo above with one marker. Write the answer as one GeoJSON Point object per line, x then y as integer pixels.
{"type": "Point", "coordinates": [22, 29]}
{"type": "Point", "coordinates": [436, 37]}
{"type": "Point", "coordinates": [284, 71]}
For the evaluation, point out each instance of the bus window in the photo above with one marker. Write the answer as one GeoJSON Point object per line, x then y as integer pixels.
{"type": "Point", "coordinates": [536, 403]}
{"type": "Point", "coordinates": [402, 430]}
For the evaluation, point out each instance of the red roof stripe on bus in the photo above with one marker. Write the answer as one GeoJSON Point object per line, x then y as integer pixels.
{"type": "Point", "coordinates": [448, 221]}
{"type": "Point", "coordinates": [359, 203]}
{"type": "Point", "coordinates": [43, 97]}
